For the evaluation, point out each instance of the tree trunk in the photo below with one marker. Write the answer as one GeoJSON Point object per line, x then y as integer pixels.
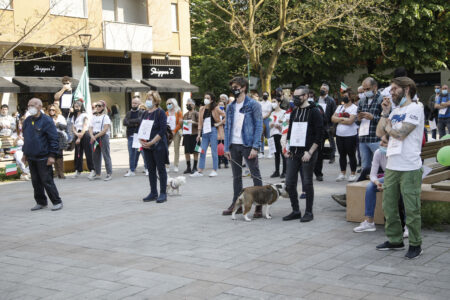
{"type": "Point", "coordinates": [265, 82]}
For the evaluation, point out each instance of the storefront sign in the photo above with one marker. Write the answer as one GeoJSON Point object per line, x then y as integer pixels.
{"type": "Point", "coordinates": [161, 72]}
{"type": "Point", "coordinates": [43, 68]}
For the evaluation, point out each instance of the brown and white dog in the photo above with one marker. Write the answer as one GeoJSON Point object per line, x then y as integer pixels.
{"type": "Point", "coordinates": [173, 184]}
{"type": "Point", "coordinates": [264, 195]}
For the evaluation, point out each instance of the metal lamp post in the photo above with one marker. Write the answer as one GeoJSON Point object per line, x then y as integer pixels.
{"type": "Point", "coordinates": [85, 39]}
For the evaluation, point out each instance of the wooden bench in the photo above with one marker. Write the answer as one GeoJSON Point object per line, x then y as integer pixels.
{"type": "Point", "coordinates": [356, 191]}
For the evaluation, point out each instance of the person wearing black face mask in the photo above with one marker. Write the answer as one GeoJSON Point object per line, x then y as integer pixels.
{"type": "Point", "coordinates": [304, 137]}
{"type": "Point", "coordinates": [132, 121]}
{"type": "Point", "coordinates": [329, 106]}
{"type": "Point", "coordinates": [190, 132]}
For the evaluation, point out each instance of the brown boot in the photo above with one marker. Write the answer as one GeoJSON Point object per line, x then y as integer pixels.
{"type": "Point", "coordinates": [258, 212]}
{"type": "Point", "coordinates": [229, 210]}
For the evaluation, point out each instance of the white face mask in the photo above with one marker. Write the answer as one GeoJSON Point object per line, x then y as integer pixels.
{"type": "Point", "coordinates": [310, 99]}
{"type": "Point", "coordinates": [206, 101]}
{"type": "Point", "coordinates": [362, 96]}
{"type": "Point", "coordinates": [32, 111]}
{"type": "Point", "coordinates": [274, 105]}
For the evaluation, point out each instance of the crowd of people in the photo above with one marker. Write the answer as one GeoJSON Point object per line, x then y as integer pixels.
{"type": "Point", "coordinates": [382, 132]}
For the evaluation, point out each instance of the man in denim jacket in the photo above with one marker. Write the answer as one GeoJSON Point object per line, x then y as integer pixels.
{"type": "Point", "coordinates": [243, 129]}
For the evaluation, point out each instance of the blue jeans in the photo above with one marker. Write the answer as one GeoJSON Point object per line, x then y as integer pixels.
{"type": "Point", "coordinates": [209, 139]}
{"type": "Point", "coordinates": [266, 132]}
{"type": "Point", "coordinates": [133, 155]}
{"type": "Point", "coordinates": [371, 198]}
{"type": "Point", "coordinates": [367, 150]}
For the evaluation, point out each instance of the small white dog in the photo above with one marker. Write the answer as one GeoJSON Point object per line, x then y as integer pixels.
{"type": "Point", "coordinates": [173, 184]}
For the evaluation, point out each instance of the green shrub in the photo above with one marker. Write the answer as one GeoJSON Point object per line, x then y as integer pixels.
{"type": "Point", "coordinates": [435, 214]}
{"type": "Point", "coordinates": [3, 176]}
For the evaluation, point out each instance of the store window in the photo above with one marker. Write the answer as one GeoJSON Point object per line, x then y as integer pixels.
{"type": "Point", "coordinates": [125, 11]}
{"type": "Point", "coordinates": [174, 13]}
{"type": "Point", "coordinates": [5, 4]}
{"type": "Point", "coordinates": [69, 8]}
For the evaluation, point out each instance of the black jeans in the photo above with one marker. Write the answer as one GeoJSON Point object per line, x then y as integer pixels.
{"type": "Point", "coordinates": [294, 164]}
{"type": "Point", "coordinates": [347, 147]}
{"type": "Point", "coordinates": [86, 147]}
{"type": "Point", "coordinates": [42, 180]}
{"type": "Point", "coordinates": [156, 160]}
{"type": "Point", "coordinates": [239, 152]}
{"type": "Point", "coordinates": [279, 153]}
{"type": "Point", "coordinates": [319, 162]}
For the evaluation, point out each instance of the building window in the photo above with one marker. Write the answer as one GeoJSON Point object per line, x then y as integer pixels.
{"type": "Point", "coordinates": [69, 8]}
{"type": "Point", "coordinates": [5, 4]}
{"type": "Point", "coordinates": [125, 11]}
{"type": "Point", "coordinates": [174, 12]}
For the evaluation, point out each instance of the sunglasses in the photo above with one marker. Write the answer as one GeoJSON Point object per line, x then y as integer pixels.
{"type": "Point", "coordinates": [52, 109]}
{"type": "Point", "coordinates": [97, 105]}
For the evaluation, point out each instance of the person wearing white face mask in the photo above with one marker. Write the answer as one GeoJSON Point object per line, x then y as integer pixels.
{"type": "Point", "coordinates": [443, 104]}
{"type": "Point", "coordinates": [266, 108]}
{"type": "Point", "coordinates": [276, 127]}
{"type": "Point", "coordinates": [209, 121]}
{"type": "Point", "coordinates": [175, 121]}
{"type": "Point", "coordinates": [369, 113]}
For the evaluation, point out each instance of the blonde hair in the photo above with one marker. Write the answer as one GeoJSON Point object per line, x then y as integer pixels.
{"type": "Point", "coordinates": [156, 97]}
{"type": "Point", "coordinates": [57, 110]}
{"type": "Point", "coordinates": [176, 107]}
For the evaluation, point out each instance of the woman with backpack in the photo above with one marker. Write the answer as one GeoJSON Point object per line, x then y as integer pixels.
{"type": "Point", "coordinates": [153, 138]}
{"type": "Point", "coordinates": [61, 125]}
{"type": "Point", "coordinates": [99, 131]}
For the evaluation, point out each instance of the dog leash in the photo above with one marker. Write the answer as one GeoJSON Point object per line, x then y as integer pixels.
{"type": "Point", "coordinates": [254, 177]}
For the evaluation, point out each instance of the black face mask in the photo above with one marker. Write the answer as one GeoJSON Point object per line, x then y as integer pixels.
{"type": "Point", "coordinates": [134, 108]}
{"type": "Point", "coordinates": [297, 101]}
{"type": "Point", "coordinates": [265, 97]}
{"type": "Point", "coordinates": [346, 100]}
{"type": "Point", "coordinates": [76, 110]}
{"type": "Point", "coordinates": [322, 93]}
{"type": "Point", "coordinates": [236, 92]}
{"type": "Point", "coordinates": [189, 107]}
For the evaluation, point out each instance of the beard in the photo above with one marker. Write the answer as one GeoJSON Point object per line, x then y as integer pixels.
{"type": "Point", "coordinates": [397, 98]}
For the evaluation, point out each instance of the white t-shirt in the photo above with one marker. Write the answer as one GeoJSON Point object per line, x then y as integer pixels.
{"type": "Point", "coordinates": [409, 158]}
{"type": "Point", "coordinates": [266, 107]}
{"type": "Point", "coordinates": [237, 139]}
{"type": "Point", "coordinates": [61, 120]}
{"type": "Point", "coordinates": [98, 123]}
{"type": "Point", "coordinates": [277, 118]}
{"type": "Point", "coordinates": [347, 130]}
{"type": "Point", "coordinates": [78, 122]}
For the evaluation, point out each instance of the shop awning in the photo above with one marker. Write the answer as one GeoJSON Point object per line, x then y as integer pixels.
{"type": "Point", "coordinates": [170, 85]}
{"type": "Point", "coordinates": [41, 84]}
{"type": "Point", "coordinates": [117, 85]}
{"type": "Point", "coordinates": [8, 87]}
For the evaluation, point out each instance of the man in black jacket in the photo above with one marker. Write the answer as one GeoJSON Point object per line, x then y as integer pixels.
{"type": "Point", "coordinates": [132, 122]}
{"type": "Point", "coordinates": [40, 149]}
{"type": "Point", "coordinates": [304, 137]}
{"type": "Point", "coordinates": [329, 107]}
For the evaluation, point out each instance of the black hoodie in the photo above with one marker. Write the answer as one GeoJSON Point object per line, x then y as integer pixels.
{"type": "Point", "coordinates": [312, 115]}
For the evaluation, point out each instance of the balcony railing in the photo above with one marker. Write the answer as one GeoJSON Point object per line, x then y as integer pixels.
{"type": "Point", "coordinates": [127, 37]}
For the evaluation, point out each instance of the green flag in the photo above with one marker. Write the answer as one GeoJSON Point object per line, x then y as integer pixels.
{"type": "Point", "coordinates": [82, 91]}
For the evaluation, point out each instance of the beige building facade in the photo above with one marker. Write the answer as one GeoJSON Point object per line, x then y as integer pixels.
{"type": "Point", "coordinates": [136, 45]}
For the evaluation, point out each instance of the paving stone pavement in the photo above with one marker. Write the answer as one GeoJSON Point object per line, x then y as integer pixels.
{"type": "Point", "coordinates": [107, 244]}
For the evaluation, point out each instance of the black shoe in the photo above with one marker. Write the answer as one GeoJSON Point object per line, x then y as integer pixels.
{"type": "Point", "coordinates": [194, 170]}
{"type": "Point", "coordinates": [302, 196]}
{"type": "Point", "coordinates": [283, 175]}
{"type": "Point", "coordinates": [340, 198]}
{"type": "Point", "coordinates": [388, 246]}
{"type": "Point", "coordinates": [162, 198]}
{"type": "Point", "coordinates": [275, 174]}
{"type": "Point", "coordinates": [332, 160]}
{"type": "Point", "coordinates": [292, 216]}
{"type": "Point", "coordinates": [150, 197]}
{"type": "Point", "coordinates": [187, 171]}
{"type": "Point", "coordinates": [359, 170]}
{"type": "Point", "coordinates": [413, 252]}
{"type": "Point", "coordinates": [319, 178]}
{"type": "Point", "coordinates": [307, 217]}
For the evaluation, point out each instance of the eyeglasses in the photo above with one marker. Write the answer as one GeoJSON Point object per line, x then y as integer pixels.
{"type": "Point", "coordinates": [98, 105]}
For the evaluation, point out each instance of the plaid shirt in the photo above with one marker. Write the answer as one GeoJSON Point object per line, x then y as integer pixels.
{"type": "Point", "coordinates": [375, 109]}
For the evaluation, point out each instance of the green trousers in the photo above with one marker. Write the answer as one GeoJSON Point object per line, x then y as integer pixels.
{"type": "Point", "coordinates": [408, 183]}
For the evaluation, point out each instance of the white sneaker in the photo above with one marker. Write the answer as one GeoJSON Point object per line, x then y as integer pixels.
{"type": "Point", "coordinates": [175, 169]}
{"type": "Point", "coordinates": [341, 177]}
{"type": "Point", "coordinates": [129, 173]}
{"type": "Point", "coordinates": [76, 175]}
{"type": "Point", "coordinates": [213, 174]}
{"type": "Point", "coordinates": [406, 233]}
{"type": "Point", "coordinates": [146, 172]}
{"type": "Point", "coordinates": [352, 178]}
{"type": "Point", "coordinates": [246, 172]}
{"type": "Point", "coordinates": [108, 177]}
{"type": "Point", "coordinates": [25, 176]}
{"type": "Point", "coordinates": [95, 177]}
{"type": "Point", "coordinates": [91, 175]}
{"type": "Point", "coordinates": [270, 155]}
{"type": "Point", "coordinates": [196, 174]}
{"type": "Point", "coordinates": [261, 155]}
{"type": "Point", "coordinates": [365, 226]}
